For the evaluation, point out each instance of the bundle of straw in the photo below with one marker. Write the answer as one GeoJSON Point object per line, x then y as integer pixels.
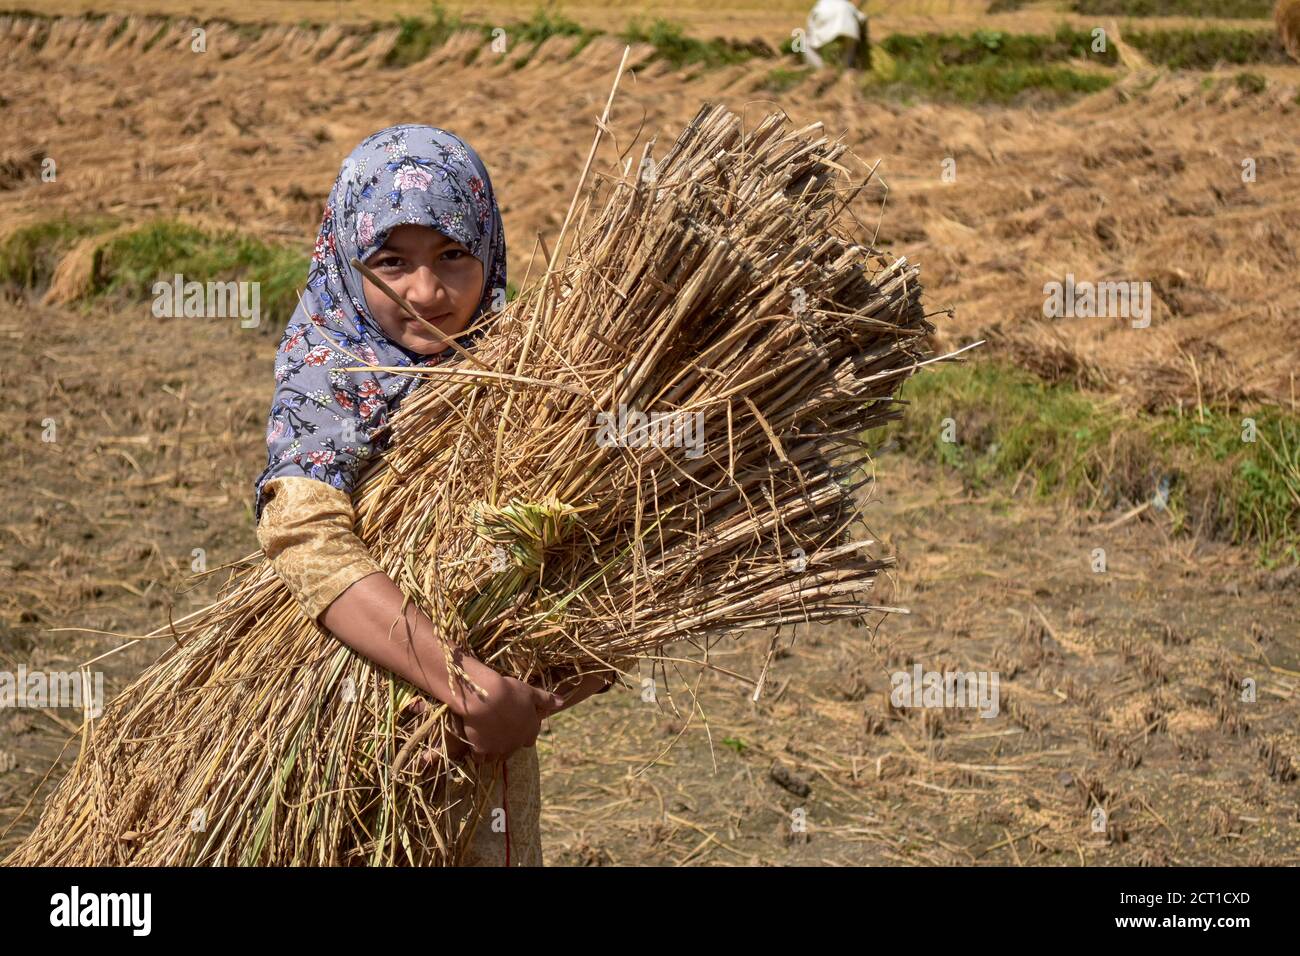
{"type": "Point", "coordinates": [532, 529]}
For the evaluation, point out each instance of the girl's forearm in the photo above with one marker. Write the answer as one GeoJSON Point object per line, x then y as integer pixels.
{"type": "Point", "coordinates": [368, 618]}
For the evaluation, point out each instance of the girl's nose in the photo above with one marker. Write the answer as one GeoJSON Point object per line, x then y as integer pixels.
{"type": "Point", "coordinates": [425, 290]}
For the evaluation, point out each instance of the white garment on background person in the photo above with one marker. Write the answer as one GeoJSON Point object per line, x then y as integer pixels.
{"type": "Point", "coordinates": [828, 20]}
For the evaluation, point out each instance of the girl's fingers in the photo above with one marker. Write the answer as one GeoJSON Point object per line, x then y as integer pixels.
{"type": "Point", "coordinates": [457, 745]}
{"type": "Point", "coordinates": [416, 706]}
{"type": "Point", "coordinates": [456, 749]}
{"type": "Point", "coordinates": [546, 701]}
{"type": "Point", "coordinates": [590, 685]}
{"type": "Point", "coordinates": [568, 684]}
{"type": "Point", "coordinates": [425, 760]}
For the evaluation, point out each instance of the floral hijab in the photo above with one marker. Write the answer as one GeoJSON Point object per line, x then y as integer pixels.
{"type": "Point", "coordinates": [329, 424]}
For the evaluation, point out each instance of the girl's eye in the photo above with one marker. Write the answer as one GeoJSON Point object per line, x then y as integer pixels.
{"type": "Point", "coordinates": [455, 253]}
{"type": "Point", "coordinates": [388, 262]}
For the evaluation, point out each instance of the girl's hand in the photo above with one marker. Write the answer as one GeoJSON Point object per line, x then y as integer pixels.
{"type": "Point", "coordinates": [581, 686]}
{"type": "Point", "coordinates": [508, 718]}
{"type": "Point", "coordinates": [570, 691]}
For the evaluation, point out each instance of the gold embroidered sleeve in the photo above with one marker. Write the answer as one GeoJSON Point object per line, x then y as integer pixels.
{"type": "Point", "coordinates": [306, 532]}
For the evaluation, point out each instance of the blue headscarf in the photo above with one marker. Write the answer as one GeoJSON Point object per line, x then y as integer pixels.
{"type": "Point", "coordinates": [328, 424]}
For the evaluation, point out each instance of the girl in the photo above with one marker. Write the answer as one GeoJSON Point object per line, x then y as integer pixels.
{"type": "Point", "coordinates": [415, 204]}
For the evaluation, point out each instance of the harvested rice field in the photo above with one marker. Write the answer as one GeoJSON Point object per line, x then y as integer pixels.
{"type": "Point", "coordinates": [1081, 509]}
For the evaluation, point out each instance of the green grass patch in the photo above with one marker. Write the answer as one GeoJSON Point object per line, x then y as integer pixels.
{"type": "Point", "coordinates": [990, 422]}
{"type": "Point", "coordinates": [1007, 426]}
{"type": "Point", "coordinates": [987, 66]}
{"type": "Point", "coordinates": [782, 78]}
{"type": "Point", "coordinates": [988, 47]}
{"type": "Point", "coordinates": [1254, 487]}
{"type": "Point", "coordinates": [28, 255]}
{"type": "Point", "coordinates": [1203, 49]}
{"type": "Point", "coordinates": [418, 36]}
{"type": "Point", "coordinates": [131, 263]}
{"type": "Point", "coordinates": [673, 45]}
{"type": "Point", "coordinates": [128, 264]}
{"type": "Point", "coordinates": [1229, 9]}
{"type": "Point", "coordinates": [993, 66]}
{"type": "Point", "coordinates": [542, 26]}
{"type": "Point", "coordinates": [985, 83]}
{"type": "Point", "coordinates": [1251, 83]}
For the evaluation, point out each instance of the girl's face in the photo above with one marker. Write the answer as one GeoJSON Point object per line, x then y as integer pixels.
{"type": "Point", "coordinates": [436, 274]}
